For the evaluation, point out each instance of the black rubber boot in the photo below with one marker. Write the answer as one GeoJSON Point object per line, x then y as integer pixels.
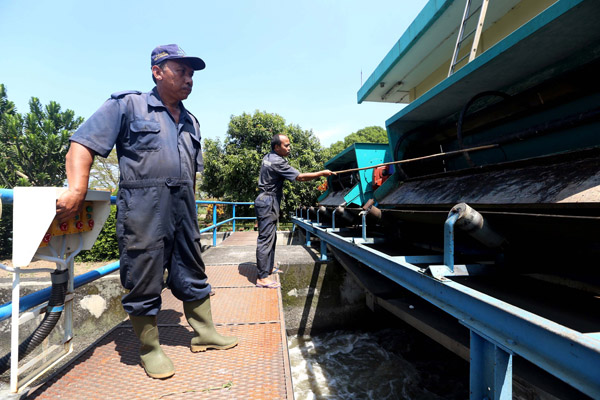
{"type": "Point", "coordinates": [199, 316]}
{"type": "Point", "coordinates": [154, 360]}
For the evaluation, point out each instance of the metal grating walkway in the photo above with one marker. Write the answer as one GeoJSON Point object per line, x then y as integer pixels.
{"type": "Point", "coordinates": [245, 238]}
{"type": "Point", "coordinates": [257, 368]}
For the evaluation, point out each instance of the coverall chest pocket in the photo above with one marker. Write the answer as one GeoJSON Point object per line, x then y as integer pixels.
{"type": "Point", "coordinates": [198, 153]}
{"type": "Point", "coordinates": [145, 135]}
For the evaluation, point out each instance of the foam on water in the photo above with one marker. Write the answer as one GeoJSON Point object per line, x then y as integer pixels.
{"type": "Point", "coordinates": [359, 365]}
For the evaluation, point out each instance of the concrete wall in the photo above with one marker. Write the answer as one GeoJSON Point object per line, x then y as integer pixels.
{"type": "Point", "coordinates": [321, 296]}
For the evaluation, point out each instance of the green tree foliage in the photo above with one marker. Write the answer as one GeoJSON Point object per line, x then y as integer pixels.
{"type": "Point", "coordinates": [106, 246]}
{"type": "Point", "coordinates": [6, 231]}
{"type": "Point", "coordinates": [231, 168]}
{"type": "Point", "coordinates": [32, 150]}
{"type": "Point", "coordinates": [7, 108]}
{"type": "Point", "coordinates": [34, 145]}
{"type": "Point", "coordinates": [370, 134]}
{"type": "Point", "coordinates": [104, 173]}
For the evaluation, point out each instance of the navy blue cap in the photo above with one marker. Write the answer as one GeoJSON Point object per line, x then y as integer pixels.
{"type": "Point", "coordinates": [174, 52]}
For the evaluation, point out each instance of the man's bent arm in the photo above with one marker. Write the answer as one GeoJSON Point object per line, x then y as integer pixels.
{"type": "Point", "coordinates": [309, 176]}
{"type": "Point", "coordinates": [78, 163]}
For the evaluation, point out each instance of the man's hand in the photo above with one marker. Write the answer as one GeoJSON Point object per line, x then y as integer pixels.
{"type": "Point", "coordinates": [69, 204]}
{"type": "Point", "coordinates": [309, 176]}
{"type": "Point", "coordinates": [78, 163]}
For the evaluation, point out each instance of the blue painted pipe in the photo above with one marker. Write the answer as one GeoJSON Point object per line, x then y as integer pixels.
{"type": "Point", "coordinates": [41, 296]}
{"type": "Point", "coordinates": [6, 195]}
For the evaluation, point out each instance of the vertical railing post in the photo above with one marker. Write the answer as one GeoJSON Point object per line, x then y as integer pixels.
{"type": "Point", "coordinates": [233, 217]}
{"type": "Point", "coordinates": [68, 313]}
{"type": "Point", "coordinates": [215, 224]}
{"type": "Point", "coordinates": [14, 340]}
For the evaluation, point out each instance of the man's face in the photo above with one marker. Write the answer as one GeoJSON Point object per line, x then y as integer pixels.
{"type": "Point", "coordinates": [284, 149]}
{"type": "Point", "coordinates": [175, 79]}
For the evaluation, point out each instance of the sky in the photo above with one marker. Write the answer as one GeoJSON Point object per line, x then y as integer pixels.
{"type": "Point", "coordinates": [304, 60]}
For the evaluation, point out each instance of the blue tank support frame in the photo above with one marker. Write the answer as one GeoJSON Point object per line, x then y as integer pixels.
{"type": "Point", "coordinates": [498, 329]}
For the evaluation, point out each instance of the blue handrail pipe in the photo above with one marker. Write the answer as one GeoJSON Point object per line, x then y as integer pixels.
{"type": "Point", "coordinates": [41, 296]}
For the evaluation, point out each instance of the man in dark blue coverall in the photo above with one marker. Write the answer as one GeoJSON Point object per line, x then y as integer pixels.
{"type": "Point", "coordinates": [158, 147]}
{"type": "Point", "coordinates": [274, 170]}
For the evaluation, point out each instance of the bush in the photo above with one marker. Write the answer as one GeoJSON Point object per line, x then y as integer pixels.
{"type": "Point", "coordinates": [6, 231]}
{"type": "Point", "coordinates": [106, 246]}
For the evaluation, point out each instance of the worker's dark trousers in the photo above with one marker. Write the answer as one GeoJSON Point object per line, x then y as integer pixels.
{"type": "Point", "coordinates": [267, 214]}
{"type": "Point", "coordinates": [157, 229]}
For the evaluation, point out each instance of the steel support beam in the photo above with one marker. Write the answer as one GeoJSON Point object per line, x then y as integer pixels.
{"type": "Point", "coordinates": [565, 353]}
{"type": "Point", "coordinates": [490, 370]}
{"type": "Point", "coordinates": [324, 250]}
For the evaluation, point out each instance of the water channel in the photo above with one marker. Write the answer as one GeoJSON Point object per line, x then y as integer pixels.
{"type": "Point", "coordinates": [392, 363]}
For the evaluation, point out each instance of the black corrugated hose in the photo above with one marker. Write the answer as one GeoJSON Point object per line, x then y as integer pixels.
{"type": "Point", "coordinates": [56, 305]}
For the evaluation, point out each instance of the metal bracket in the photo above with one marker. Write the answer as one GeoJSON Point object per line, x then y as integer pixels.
{"type": "Point", "coordinates": [333, 219]}
{"type": "Point", "coordinates": [363, 214]}
{"type": "Point", "coordinates": [490, 367]}
{"type": "Point", "coordinates": [441, 271]}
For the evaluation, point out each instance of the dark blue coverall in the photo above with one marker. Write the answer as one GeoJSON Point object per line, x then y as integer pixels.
{"type": "Point", "coordinates": [157, 225]}
{"type": "Point", "coordinates": [274, 170]}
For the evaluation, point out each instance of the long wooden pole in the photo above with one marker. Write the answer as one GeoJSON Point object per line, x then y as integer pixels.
{"type": "Point", "coordinates": [448, 153]}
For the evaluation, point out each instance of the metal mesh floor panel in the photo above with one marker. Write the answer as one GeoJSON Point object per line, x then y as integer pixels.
{"type": "Point", "coordinates": [257, 368]}
{"type": "Point", "coordinates": [229, 306]}
{"type": "Point", "coordinates": [232, 275]}
{"type": "Point", "coordinates": [247, 238]}
{"type": "Point", "coordinates": [111, 370]}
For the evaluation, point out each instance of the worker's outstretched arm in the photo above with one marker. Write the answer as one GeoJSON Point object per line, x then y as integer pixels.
{"type": "Point", "coordinates": [309, 176]}
{"type": "Point", "coordinates": [78, 163]}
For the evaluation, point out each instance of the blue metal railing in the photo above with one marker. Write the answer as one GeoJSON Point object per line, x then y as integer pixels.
{"type": "Point", "coordinates": [215, 225]}
{"type": "Point", "coordinates": [41, 296]}
{"type": "Point", "coordinates": [6, 195]}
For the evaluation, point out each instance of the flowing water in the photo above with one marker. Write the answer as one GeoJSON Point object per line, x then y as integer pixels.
{"type": "Point", "coordinates": [392, 363]}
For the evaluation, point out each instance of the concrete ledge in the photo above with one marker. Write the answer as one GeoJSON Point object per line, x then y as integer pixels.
{"type": "Point", "coordinates": [317, 296]}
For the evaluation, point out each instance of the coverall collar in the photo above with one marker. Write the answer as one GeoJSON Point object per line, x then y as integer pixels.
{"type": "Point", "coordinates": [155, 101]}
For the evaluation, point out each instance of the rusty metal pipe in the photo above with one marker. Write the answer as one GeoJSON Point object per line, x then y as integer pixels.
{"type": "Point", "coordinates": [470, 221]}
{"type": "Point", "coordinates": [373, 213]}
{"type": "Point", "coordinates": [344, 217]}
{"type": "Point", "coordinates": [324, 214]}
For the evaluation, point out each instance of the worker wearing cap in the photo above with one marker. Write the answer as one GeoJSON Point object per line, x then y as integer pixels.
{"type": "Point", "coordinates": [158, 147]}
{"type": "Point", "coordinates": [274, 170]}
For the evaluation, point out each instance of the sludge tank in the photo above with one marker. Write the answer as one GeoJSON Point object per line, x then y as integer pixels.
{"type": "Point", "coordinates": [491, 213]}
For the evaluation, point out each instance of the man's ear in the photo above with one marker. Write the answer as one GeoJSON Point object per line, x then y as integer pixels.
{"type": "Point", "coordinates": [157, 72]}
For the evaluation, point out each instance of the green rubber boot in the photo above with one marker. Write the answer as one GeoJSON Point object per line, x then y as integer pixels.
{"type": "Point", "coordinates": [199, 316]}
{"type": "Point", "coordinates": [154, 360]}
